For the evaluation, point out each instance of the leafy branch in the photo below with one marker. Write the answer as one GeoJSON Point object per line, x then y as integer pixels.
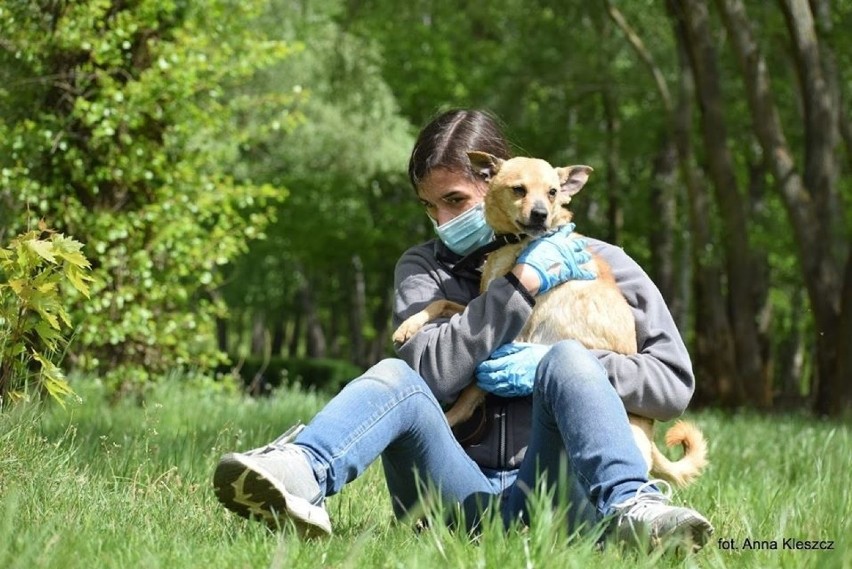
{"type": "Point", "coordinates": [36, 269]}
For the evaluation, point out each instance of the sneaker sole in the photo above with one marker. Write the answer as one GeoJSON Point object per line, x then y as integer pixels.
{"type": "Point", "coordinates": [249, 491]}
{"type": "Point", "coordinates": [689, 536]}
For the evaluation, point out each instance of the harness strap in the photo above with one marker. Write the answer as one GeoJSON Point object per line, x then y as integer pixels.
{"type": "Point", "coordinates": [472, 260]}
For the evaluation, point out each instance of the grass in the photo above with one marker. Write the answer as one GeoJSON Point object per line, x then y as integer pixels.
{"type": "Point", "coordinates": [129, 486]}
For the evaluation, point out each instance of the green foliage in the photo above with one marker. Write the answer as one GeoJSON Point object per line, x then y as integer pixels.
{"type": "Point", "coordinates": [549, 92]}
{"type": "Point", "coordinates": [118, 125]}
{"type": "Point", "coordinates": [344, 161]}
{"type": "Point", "coordinates": [37, 270]}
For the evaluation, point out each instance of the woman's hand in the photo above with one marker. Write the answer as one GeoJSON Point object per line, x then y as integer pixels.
{"type": "Point", "coordinates": [552, 260]}
{"type": "Point", "coordinates": [510, 372]}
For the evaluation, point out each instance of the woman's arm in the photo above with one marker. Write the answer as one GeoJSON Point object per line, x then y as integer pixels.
{"type": "Point", "coordinates": [446, 351]}
{"type": "Point", "coordinates": [657, 382]}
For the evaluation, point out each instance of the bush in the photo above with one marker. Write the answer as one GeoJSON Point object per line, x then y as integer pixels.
{"type": "Point", "coordinates": [119, 129]}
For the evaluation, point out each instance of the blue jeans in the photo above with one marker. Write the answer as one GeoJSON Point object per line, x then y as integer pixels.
{"type": "Point", "coordinates": [579, 422]}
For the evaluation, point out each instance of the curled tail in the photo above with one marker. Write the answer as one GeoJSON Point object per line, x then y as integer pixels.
{"type": "Point", "coordinates": [686, 469]}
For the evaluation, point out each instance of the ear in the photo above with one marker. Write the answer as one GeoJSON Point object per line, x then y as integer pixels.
{"type": "Point", "coordinates": [484, 164]}
{"type": "Point", "coordinates": [573, 178]}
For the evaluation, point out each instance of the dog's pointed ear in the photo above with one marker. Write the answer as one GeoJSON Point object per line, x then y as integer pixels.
{"type": "Point", "coordinates": [484, 165]}
{"type": "Point", "coordinates": [573, 178]}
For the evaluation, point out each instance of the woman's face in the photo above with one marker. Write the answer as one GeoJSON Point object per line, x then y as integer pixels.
{"type": "Point", "coordinates": [446, 194]}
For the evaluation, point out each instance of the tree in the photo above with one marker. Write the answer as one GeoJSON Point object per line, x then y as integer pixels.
{"type": "Point", "coordinates": [714, 350]}
{"type": "Point", "coordinates": [809, 192]}
{"type": "Point", "coordinates": [573, 93]}
{"type": "Point", "coordinates": [322, 277]}
{"type": "Point", "coordinates": [114, 129]}
{"type": "Point", "coordinates": [746, 289]}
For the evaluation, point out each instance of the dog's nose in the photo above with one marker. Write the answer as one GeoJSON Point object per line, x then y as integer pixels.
{"type": "Point", "coordinates": [538, 214]}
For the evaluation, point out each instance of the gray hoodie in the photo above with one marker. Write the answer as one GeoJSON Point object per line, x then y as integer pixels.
{"type": "Point", "coordinates": [657, 382]}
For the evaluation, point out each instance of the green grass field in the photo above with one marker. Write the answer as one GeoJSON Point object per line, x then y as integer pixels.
{"type": "Point", "coordinates": [129, 486]}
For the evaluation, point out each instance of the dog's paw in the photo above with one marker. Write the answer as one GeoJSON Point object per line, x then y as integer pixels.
{"type": "Point", "coordinates": [401, 335]}
{"type": "Point", "coordinates": [410, 327]}
{"type": "Point", "coordinates": [405, 331]}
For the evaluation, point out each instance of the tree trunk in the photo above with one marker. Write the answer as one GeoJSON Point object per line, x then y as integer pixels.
{"type": "Point", "coordinates": [295, 334]}
{"type": "Point", "coordinates": [790, 358]}
{"type": "Point", "coordinates": [358, 313]}
{"type": "Point", "coordinates": [277, 334]}
{"type": "Point", "coordinates": [615, 213]}
{"type": "Point", "coordinates": [221, 323]}
{"type": "Point", "coordinates": [664, 227]}
{"type": "Point", "coordinates": [761, 272]}
{"type": "Point", "coordinates": [663, 191]}
{"type": "Point", "coordinates": [846, 133]}
{"type": "Point", "coordinates": [317, 347]}
{"type": "Point", "coordinates": [258, 334]}
{"type": "Point", "coordinates": [842, 398]}
{"type": "Point", "coordinates": [337, 322]}
{"type": "Point", "coordinates": [809, 200]}
{"type": "Point", "coordinates": [382, 325]}
{"type": "Point", "coordinates": [715, 363]}
{"type": "Point", "coordinates": [685, 270]}
{"type": "Point", "coordinates": [825, 32]}
{"type": "Point", "coordinates": [614, 210]}
{"type": "Point", "coordinates": [238, 318]}
{"type": "Point", "coordinates": [820, 95]}
{"type": "Point", "coordinates": [222, 334]}
{"type": "Point", "coordinates": [740, 259]}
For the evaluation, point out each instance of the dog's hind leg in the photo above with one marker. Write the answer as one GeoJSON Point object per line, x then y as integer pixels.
{"type": "Point", "coordinates": [471, 398]}
{"type": "Point", "coordinates": [643, 434]}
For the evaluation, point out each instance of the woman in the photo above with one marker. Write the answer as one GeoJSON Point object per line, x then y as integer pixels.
{"type": "Point", "coordinates": [570, 418]}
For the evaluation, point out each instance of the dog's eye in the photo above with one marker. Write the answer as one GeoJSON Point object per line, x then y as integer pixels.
{"type": "Point", "coordinates": [552, 193]}
{"type": "Point", "coordinates": [520, 191]}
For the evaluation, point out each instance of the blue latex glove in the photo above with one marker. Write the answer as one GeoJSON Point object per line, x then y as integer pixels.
{"type": "Point", "coordinates": [510, 372]}
{"type": "Point", "coordinates": [557, 259]}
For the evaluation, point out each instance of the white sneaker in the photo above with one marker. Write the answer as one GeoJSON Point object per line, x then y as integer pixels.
{"type": "Point", "coordinates": [648, 519]}
{"type": "Point", "coordinates": [273, 483]}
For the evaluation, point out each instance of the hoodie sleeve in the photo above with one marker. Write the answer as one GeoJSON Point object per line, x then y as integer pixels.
{"type": "Point", "coordinates": [658, 381]}
{"type": "Point", "coordinates": [446, 351]}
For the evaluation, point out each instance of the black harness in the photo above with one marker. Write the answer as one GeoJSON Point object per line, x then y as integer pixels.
{"type": "Point", "coordinates": [473, 260]}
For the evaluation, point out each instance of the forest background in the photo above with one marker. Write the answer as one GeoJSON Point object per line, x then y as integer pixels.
{"type": "Point", "coordinates": [235, 173]}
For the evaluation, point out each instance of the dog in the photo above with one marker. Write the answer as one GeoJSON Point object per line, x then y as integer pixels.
{"type": "Point", "coordinates": [528, 197]}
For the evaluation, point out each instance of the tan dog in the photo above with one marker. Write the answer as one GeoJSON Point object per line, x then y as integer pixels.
{"type": "Point", "coordinates": [527, 196]}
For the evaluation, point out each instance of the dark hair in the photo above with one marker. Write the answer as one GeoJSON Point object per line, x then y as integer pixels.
{"type": "Point", "coordinates": [445, 141]}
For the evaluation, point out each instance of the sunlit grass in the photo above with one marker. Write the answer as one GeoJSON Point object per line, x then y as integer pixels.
{"type": "Point", "coordinates": [129, 486]}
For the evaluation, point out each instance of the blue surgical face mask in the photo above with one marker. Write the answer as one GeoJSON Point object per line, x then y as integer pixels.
{"type": "Point", "coordinates": [467, 232]}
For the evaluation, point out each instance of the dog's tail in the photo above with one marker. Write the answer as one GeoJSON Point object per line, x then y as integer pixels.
{"type": "Point", "coordinates": [689, 467]}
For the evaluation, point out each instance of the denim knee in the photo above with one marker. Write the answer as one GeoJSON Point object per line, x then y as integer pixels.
{"type": "Point", "coordinates": [571, 366]}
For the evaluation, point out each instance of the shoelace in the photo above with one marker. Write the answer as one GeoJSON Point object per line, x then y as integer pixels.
{"type": "Point", "coordinates": [277, 445]}
{"type": "Point", "coordinates": [288, 437]}
{"type": "Point", "coordinates": [641, 500]}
